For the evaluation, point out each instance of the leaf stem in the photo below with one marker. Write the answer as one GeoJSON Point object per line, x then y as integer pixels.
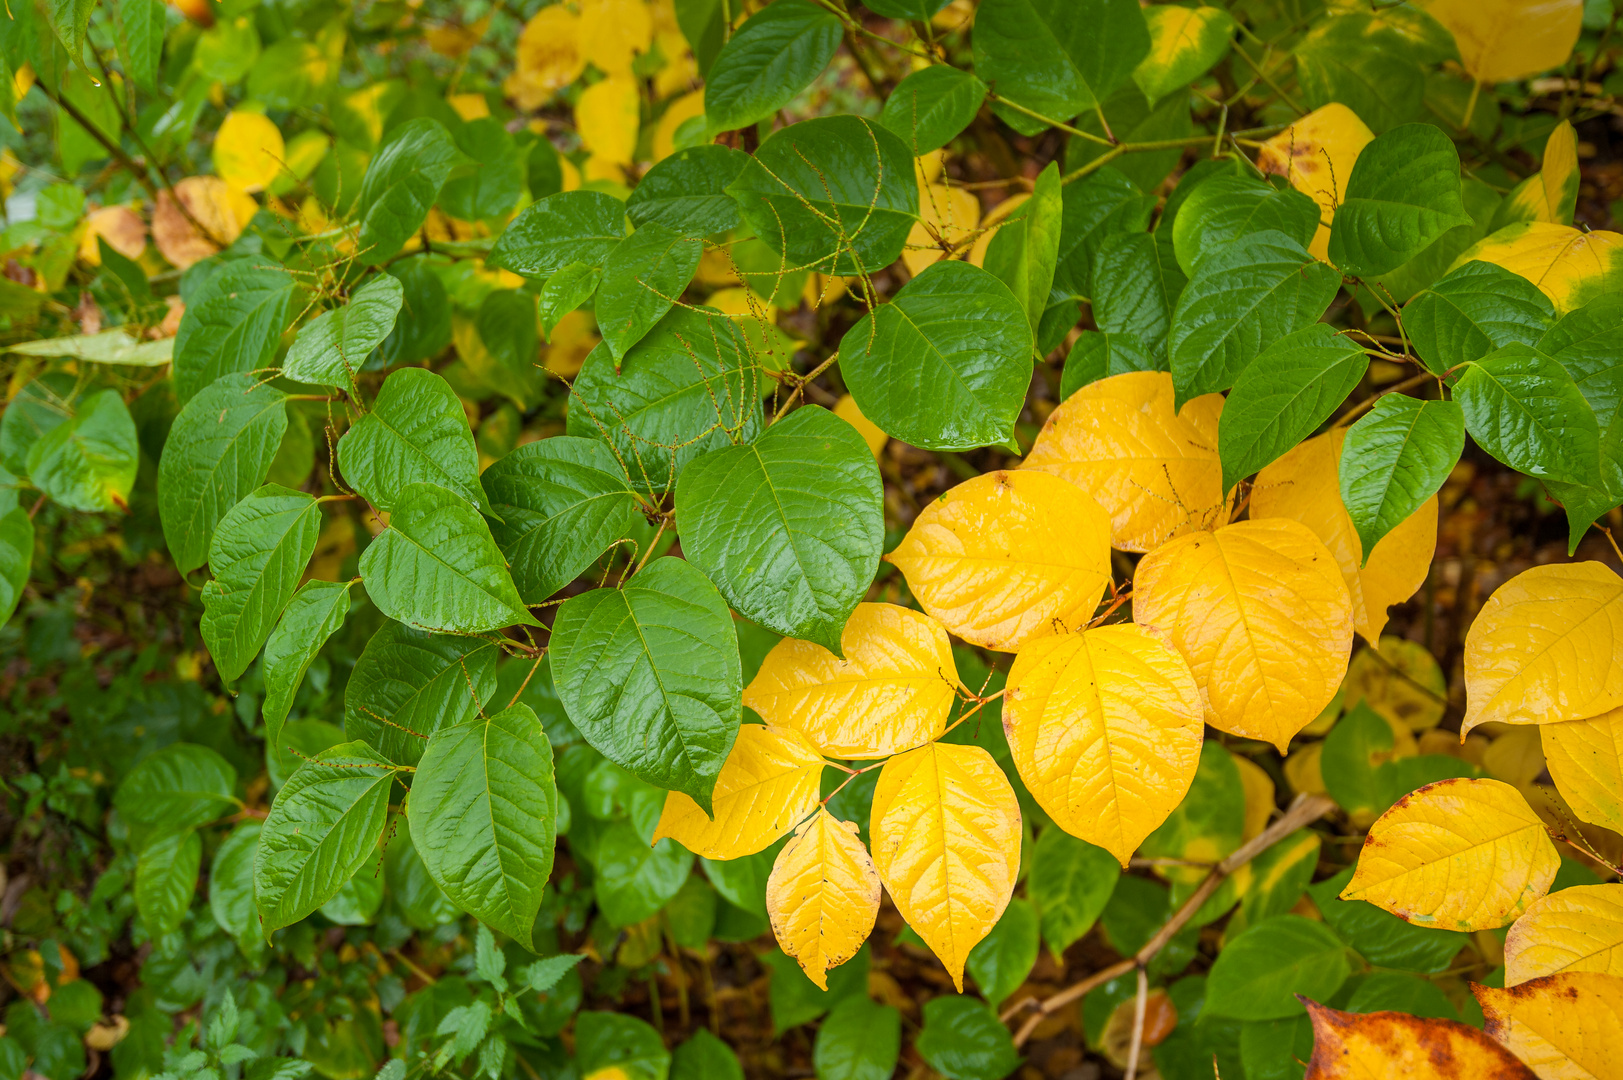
{"type": "Point", "coordinates": [1407, 384]}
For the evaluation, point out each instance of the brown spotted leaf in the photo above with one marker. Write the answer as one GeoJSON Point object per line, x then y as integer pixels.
{"type": "Point", "coordinates": [1388, 1045]}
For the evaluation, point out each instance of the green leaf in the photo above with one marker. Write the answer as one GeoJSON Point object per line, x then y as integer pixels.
{"type": "Point", "coordinates": [1404, 193]}
{"type": "Point", "coordinates": [231, 889]}
{"type": "Point", "coordinates": [71, 20]}
{"type": "Point", "coordinates": [436, 567]}
{"type": "Point", "coordinates": [835, 194]}
{"type": "Point", "coordinates": [1097, 355]}
{"type": "Point", "coordinates": [357, 900]}
{"type": "Point", "coordinates": [789, 527]}
{"type": "Point", "coordinates": [16, 558]}
{"type": "Point", "coordinates": [946, 363]}
{"type": "Point", "coordinates": [964, 1040]}
{"type": "Point", "coordinates": [331, 349]}
{"type": "Point", "coordinates": [1132, 119]}
{"type": "Point", "coordinates": [796, 1000]}
{"type": "Point", "coordinates": [650, 675]}
{"type": "Point", "coordinates": [324, 826]}
{"type": "Point", "coordinates": [567, 290]}
{"type": "Point", "coordinates": [1025, 250]}
{"type": "Point", "coordinates": [1354, 752]}
{"type": "Point", "coordinates": [1392, 991]}
{"type": "Point", "coordinates": [315, 614]}
{"type": "Point", "coordinates": [35, 411]}
{"type": "Point", "coordinates": [906, 9]}
{"type": "Point", "coordinates": [1094, 207]}
{"type": "Point", "coordinates": [423, 327]}
{"type": "Point", "coordinates": [932, 106]}
{"type": "Point", "coordinates": [1472, 311]}
{"type": "Point", "coordinates": [1277, 878]}
{"type": "Point", "coordinates": [1283, 395]}
{"type": "Point", "coordinates": [420, 902]}
{"type": "Point", "coordinates": [1223, 208]}
{"type": "Point", "coordinates": [1208, 824]}
{"type": "Point", "coordinates": [1524, 409]}
{"type": "Point", "coordinates": [1270, 1049]}
{"type": "Point", "coordinates": [858, 1040]}
{"type": "Point", "coordinates": [1588, 342]}
{"type": "Point", "coordinates": [408, 684]}
{"type": "Point", "coordinates": [142, 24]}
{"type": "Point", "coordinates": [1000, 962]}
{"type": "Point", "coordinates": [572, 226]}
{"type": "Point", "coordinates": [768, 61]}
{"type": "Point", "coordinates": [687, 192]}
{"type": "Point", "coordinates": [89, 462]}
{"type": "Point", "coordinates": [563, 501]}
{"type": "Point", "coordinates": [1057, 57]}
{"type": "Point", "coordinates": [483, 811]}
{"type": "Point", "coordinates": [633, 878]}
{"type": "Point", "coordinates": [1395, 459]}
{"type": "Point", "coordinates": [1258, 975]}
{"type": "Point", "coordinates": [1070, 882]}
{"type": "Point", "coordinates": [490, 183]}
{"type": "Point", "coordinates": [1382, 938]}
{"type": "Point", "coordinates": [642, 278]}
{"type": "Point", "coordinates": [1355, 60]}
{"type": "Point", "coordinates": [416, 432]}
{"type": "Point", "coordinates": [179, 787]}
{"type": "Point", "coordinates": [166, 879]}
{"type": "Point", "coordinates": [704, 23]}
{"type": "Point", "coordinates": [1135, 289]}
{"type": "Point", "coordinates": [1184, 44]}
{"type": "Point", "coordinates": [401, 184]}
{"type": "Point", "coordinates": [604, 1039]}
{"type": "Point", "coordinates": [679, 392]}
{"type": "Point", "coordinates": [258, 555]}
{"type": "Point", "coordinates": [502, 349]}
{"type": "Point", "coordinates": [232, 325]}
{"type": "Point", "coordinates": [742, 882]}
{"type": "Point", "coordinates": [705, 1057]}
{"type": "Point", "coordinates": [1242, 298]}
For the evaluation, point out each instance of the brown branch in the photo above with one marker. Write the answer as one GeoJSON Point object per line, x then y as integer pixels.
{"type": "Point", "coordinates": [1139, 1003]}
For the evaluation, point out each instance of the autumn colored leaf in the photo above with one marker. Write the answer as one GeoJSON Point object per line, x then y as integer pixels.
{"type": "Point", "coordinates": [946, 839]}
{"type": "Point", "coordinates": [767, 786]}
{"type": "Point", "coordinates": [1007, 557]}
{"type": "Point", "coordinates": [209, 202]}
{"type": "Point", "coordinates": [891, 693]}
{"type": "Point", "coordinates": [1570, 266]}
{"type": "Point", "coordinates": [846, 409]}
{"type": "Point", "coordinates": [1456, 855]}
{"type": "Point", "coordinates": [1260, 611]}
{"type": "Point", "coordinates": [548, 58]}
{"type": "Point", "coordinates": [248, 150]}
{"type": "Point", "coordinates": [1500, 40]}
{"type": "Point", "coordinates": [945, 213]}
{"type": "Point", "coordinates": [1563, 1027]}
{"type": "Point", "coordinates": [606, 116]}
{"type": "Point", "coordinates": [1316, 154]}
{"type": "Point", "coordinates": [1105, 727]}
{"type": "Point", "coordinates": [1585, 759]}
{"type": "Point", "coordinates": [1382, 1045]}
{"type": "Point", "coordinates": [613, 32]}
{"type": "Point", "coordinates": [1546, 647]}
{"type": "Point", "coordinates": [822, 895]}
{"type": "Point", "coordinates": [1153, 468]}
{"type": "Point", "coordinates": [1575, 929]}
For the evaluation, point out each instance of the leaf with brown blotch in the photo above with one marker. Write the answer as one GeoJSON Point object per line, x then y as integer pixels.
{"type": "Point", "coordinates": [1565, 1027]}
{"type": "Point", "coordinates": [1388, 1045]}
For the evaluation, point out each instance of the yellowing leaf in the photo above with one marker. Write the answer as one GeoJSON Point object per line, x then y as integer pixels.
{"type": "Point", "coordinates": [1456, 855]}
{"type": "Point", "coordinates": [1585, 758]}
{"type": "Point", "coordinates": [1316, 154]}
{"type": "Point", "coordinates": [892, 692]}
{"type": "Point", "coordinates": [1154, 470]}
{"type": "Point", "coordinates": [1184, 43]}
{"type": "Point", "coordinates": [767, 786]}
{"type": "Point", "coordinates": [1577, 929]}
{"type": "Point", "coordinates": [991, 222]}
{"type": "Point", "coordinates": [1401, 681]}
{"type": "Point", "coordinates": [606, 118]}
{"type": "Point", "coordinates": [1546, 647]}
{"type": "Point", "coordinates": [1371, 1046]}
{"type": "Point", "coordinates": [1563, 1027]}
{"type": "Point", "coordinates": [1552, 193]}
{"type": "Point", "coordinates": [1259, 796]}
{"type": "Point", "coordinates": [1568, 265]}
{"type": "Point", "coordinates": [945, 213]}
{"type": "Point", "coordinates": [1261, 613]}
{"type": "Point", "coordinates": [1105, 727]}
{"type": "Point", "coordinates": [573, 338]}
{"type": "Point", "coordinates": [1302, 769]}
{"type": "Point", "coordinates": [846, 409]}
{"type": "Point", "coordinates": [469, 106]}
{"type": "Point", "coordinates": [248, 150]}
{"type": "Point", "coordinates": [1501, 40]}
{"type": "Point", "coordinates": [120, 226]}
{"type": "Point", "coordinates": [946, 839]}
{"type": "Point", "coordinates": [1516, 757]}
{"type": "Point", "coordinates": [823, 895]}
{"type": "Point", "coordinates": [220, 209]}
{"type": "Point", "coordinates": [613, 32]}
{"type": "Point", "coordinates": [548, 57]}
{"type": "Point", "coordinates": [1304, 485]}
{"type": "Point", "coordinates": [683, 108]}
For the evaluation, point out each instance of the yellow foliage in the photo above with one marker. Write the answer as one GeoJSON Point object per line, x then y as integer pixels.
{"type": "Point", "coordinates": [1368, 1046]}
{"type": "Point", "coordinates": [1500, 40]}
{"type": "Point", "coordinates": [846, 409]}
{"type": "Point", "coordinates": [612, 32]}
{"type": "Point", "coordinates": [248, 150]}
{"type": "Point", "coordinates": [1316, 154]}
{"type": "Point", "coordinates": [1585, 759]}
{"type": "Point", "coordinates": [606, 118]}
{"type": "Point", "coordinates": [219, 208]}
{"type": "Point", "coordinates": [1400, 680]}
{"type": "Point", "coordinates": [1570, 266]}
{"type": "Point", "coordinates": [683, 108]}
{"type": "Point", "coordinates": [548, 57]}
{"type": "Point", "coordinates": [1577, 929]}
{"type": "Point", "coordinates": [1564, 1027]}
{"type": "Point", "coordinates": [951, 212]}
{"type": "Point", "coordinates": [823, 895]}
{"type": "Point", "coordinates": [767, 786]}
{"type": "Point", "coordinates": [120, 226]}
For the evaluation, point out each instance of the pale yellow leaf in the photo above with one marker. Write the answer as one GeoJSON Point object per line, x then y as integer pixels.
{"type": "Point", "coordinates": [1304, 485]}
{"type": "Point", "coordinates": [1259, 796]}
{"type": "Point", "coordinates": [1501, 40]}
{"type": "Point", "coordinates": [1546, 647]}
{"type": "Point", "coordinates": [120, 226]}
{"type": "Point", "coordinates": [1007, 557]}
{"type": "Point", "coordinates": [1570, 266]}
{"type": "Point", "coordinates": [1397, 1046]}
{"type": "Point", "coordinates": [1401, 681]}
{"type": "Point", "coordinates": [1316, 154]}
{"type": "Point", "coordinates": [606, 117]}
{"type": "Point", "coordinates": [991, 222]}
{"type": "Point", "coordinates": [683, 108]}
{"type": "Point", "coordinates": [1261, 613]}
{"type": "Point", "coordinates": [548, 57]}
{"type": "Point", "coordinates": [1105, 728]}
{"type": "Point", "coordinates": [1302, 769]}
{"type": "Point", "coordinates": [1563, 1027]}
{"type": "Point", "coordinates": [822, 895]}
{"type": "Point", "coordinates": [846, 409]}
{"type": "Point", "coordinates": [248, 150]}
{"type": "Point", "coordinates": [1558, 178]}
{"type": "Point", "coordinates": [945, 213]}
{"type": "Point", "coordinates": [1576, 929]}
{"type": "Point", "coordinates": [892, 692]}
{"type": "Point", "coordinates": [613, 32]}
{"type": "Point", "coordinates": [1456, 855]}
{"type": "Point", "coordinates": [768, 784]}
{"type": "Point", "coordinates": [1153, 469]}
{"type": "Point", "coordinates": [946, 839]}
{"type": "Point", "coordinates": [1585, 758]}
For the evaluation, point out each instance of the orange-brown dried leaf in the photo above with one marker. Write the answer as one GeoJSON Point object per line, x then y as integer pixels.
{"type": "Point", "coordinates": [220, 209]}
{"type": "Point", "coordinates": [1392, 1045]}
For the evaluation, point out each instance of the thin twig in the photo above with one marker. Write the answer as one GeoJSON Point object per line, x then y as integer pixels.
{"type": "Point", "coordinates": [1137, 1044]}
{"type": "Point", "coordinates": [1369, 402]}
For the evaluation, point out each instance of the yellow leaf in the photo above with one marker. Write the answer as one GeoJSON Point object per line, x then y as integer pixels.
{"type": "Point", "coordinates": [606, 118]}
{"type": "Point", "coordinates": [1456, 855]}
{"type": "Point", "coordinates": [572, 339]}
{"type": "Point", "coordinates": [991, 221]}
{"type": "Point", "coordinates": [1153, 469]}
{"type": "Point", "coordinates": [1559, 174]}
{"type": "Point", "coordinates": [680, 70]}
{"type": "Point", "coordinates": [946, 839]}
{"type": "Point", "coordinates": [1259, 796]}
{"type": "Point", "coordinates": [1501, 40]}
{"type": "Point", "coordinates": [1570, 266]}
{"type": "Point", "coordinates": [212, 203]}
{"type": "Point", "coordinates": [1261, 613]}
{"type": "Point", "coordinates": [1577, 929]}
{"type": "Point", "coordinates": [1585, 758]}
{"type": "Point", "coordinates": [767, 786]}
{"type": "Point", "coordinates": [1302, 769]}
{"type": "Point", "coordinates": [1563, 1027]}
{"type": "Point", "coordinates": [1401, 681]}
{"type": "Point", "coordinates": [1316, 154]}
{"type": "Point", "coordinates": [846, 409]}
{"type": "Point", "coordinates": [548, 57]}
{"type": "Point", "coordinates": [951, 213]}
{"type": "Point", "coordinates": [120, 226]}
{"type": "Point", "coordinates": [822, 895]}
{"type": "Point", "coordinates": [1181, 38]}
{"type": "Point", "coordinates": [248, 150]}
{"type": "Point", "coordinates": [1007, 557]}
{"type": "Point", "coordinates": [1370, 1046]}
{"type": "Point", "coordinates": [469, 106]}
{"type": "Point", "coordinates": [613, 32]}
{"type": "Point", "coordinates": [1546, 647]}
{"type": "Point", "coordinates": [892, 692]}
{"type": "Point", "coordinates": [608, 1072]}
{"type": "Point", "coordinates": [683, 108]}
{"type": "Point", "coordinates": [1304, 485]}
{"type": "Point", "coordinates": [1105, 728]}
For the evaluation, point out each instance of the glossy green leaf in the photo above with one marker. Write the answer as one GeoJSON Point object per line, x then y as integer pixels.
{"type": "Point", "coordinates": [315, 613]}
{"type": "Point", "coordinates": [490, 183]}
{"type": "Point", "coordinates": [705, 1057]}
{"type": "Point", "coordinates": [1057, 57]}
{"type": "Point", "coordinates": [401, 184]}
{"type": "Point", "coordinates": [16, 558]}
{"type": "Point", "coordinates": [1259, 974]}
{"type": "Point", "coordinates": [1394, 459]}
{"type": "Point", "coordinates": [1404, 193]}
{"type": "Point", "coordinates": [1070, 882]}
{"type": "Point", "coordinates": [1274, 1049]}
{"type": "Point", "coordinates": [1184, 44]}
{"type": "Point", "coordinates": [181, 786]}
{"type": "Point", "coordinates": [605, 1039]}
{"type": "Point", "coordinates": [1472, 311]}
{"type": "Point", "coordinates": [769, 60]}
{"type": "Point", "coordinates": [33, 412]}
{"type": "Point", "coordinates": [331, 349]}
{"type": "Point", "coordinates": [642, 278]}
{"type": "Point", "coordinates": [1382, 938]}
{"type": "Point", "coordinates": [424, 325]}
{"type": "Point", "coordinates": [858, 1040]}
{"type": "Point", "coordinates": [409, 683]}
{"type": "Point", "coordinates": [89, 462]}
{"type": "Point", "coordinates": [1393, 991]}
{"type": "Point", "coordinates": [946, 363]}
{"type": "Point", "coordinates": [1001, 961]}
{"type": "Point", "coordinates": [789, 527]}
{"type": "Point", "coordinates": [1096, 355]}
{"type": "Point", "coordinates": [572, 226]}
{"type": "Point", "coordinates": [964, 1040]}
{"type": "Point", "coordinates": [1354, 751]}
{"type": "Point", "coordinates": [1525, 409]}
{"type": "Point", "coordinates": [504, 348]}
{"type": "Point", "coordinates": [231, 888]}
{"type": "Point", "coordinates": [1025, 249]}
{"type": "Point", "coordinates": [906, 9]}
{"type": "Point", "coordinates": [142, 24]}
{"type": "Point", "coordinates": [1134, 290]}
{"type": "Point", "coordinates": [932, 106]}
{"type": "Point", "coordinates": [416, 431]}
{"type": "Point", "coordinates": [1100, 204]}
{"type": "Point", "coordinates": [567, 290]}
{"type": "Point", "coordinates": [1588, 342]}
{"type": "Point", "coordinates": [650, 675]}
{"type": "Point", "coordinates": [687, 192]}
{"type": "Point", "coordinates": [1354, 60]}
{"type": "Point", "coordinates": [633, 878]}
{"type": "Point", "coordinates": [1224, 207]}
{"type": "Point", "coordinates": [233, 324]}
{"type": "Point", "coordinates": [166, 878]}
{"type": "Point", "coordinates": [1282, 396]}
